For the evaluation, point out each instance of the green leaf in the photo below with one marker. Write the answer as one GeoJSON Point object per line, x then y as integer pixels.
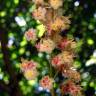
{"type": "Point", "coordinates": [41, 30]}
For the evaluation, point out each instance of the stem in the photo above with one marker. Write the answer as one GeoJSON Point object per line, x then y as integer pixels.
{"type": "Point", "coordinates": [50, 70]}
{"type": "Point", "coordinates": [50, 66]}
{"type": "Point", "coordinates": [56, 74]}
{"type": "Point", "coordinates": [52, 92]}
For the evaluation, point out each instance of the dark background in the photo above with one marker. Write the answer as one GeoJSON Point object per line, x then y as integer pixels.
{"type": "Point", "coordinates": [15, 19]}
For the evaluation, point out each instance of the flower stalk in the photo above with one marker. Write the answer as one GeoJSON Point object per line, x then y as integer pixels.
{"type": "Point", "coordinates": [52, 92]}
{"type": "Point", "coordinates": [47, 14]}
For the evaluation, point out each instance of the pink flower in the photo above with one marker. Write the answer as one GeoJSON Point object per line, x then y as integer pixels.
{"type": "Point", "coordinates": [46, 45]}
{"type": "Point", "coordinates": [37, 2]}
{"type": "Point", "coordinates": [26, 65]}
{"type": "Point", "coordinates": [67, 57]}
{"type": "Point", "coordinates": [71, 88]}
{"type": "Point", "coordinates": [39, 14]}
{"type": "Point", "coordinates": [31, 74]}
{"type": "Point", "coordinates": [37, 45]}
{"type": "Point", "coordinates": [63, 58]}
{"type": "Point", "coordinates": [56, 3]}
{"type": "Point", "coordinates": [57, 61]}
{"type": "Point", "coordinates": [72, 74]}
{"type": "Point", "coordinates": [49, 29]}
{"type": "Point", "coordinates": [64, 43]}
{"type": "Point", "coordinates": [31, 35]}
{"type": "Point", "coordinates": [46, 82]}
{"type": "Point", "coordinates": [60, 23]}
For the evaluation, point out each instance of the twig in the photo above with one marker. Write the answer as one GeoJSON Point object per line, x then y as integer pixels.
{"type": "Point", "coordinates": [56, 74]}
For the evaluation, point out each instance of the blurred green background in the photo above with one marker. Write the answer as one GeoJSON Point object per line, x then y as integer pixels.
{"type": "Point", "coordinates": [16, 18]}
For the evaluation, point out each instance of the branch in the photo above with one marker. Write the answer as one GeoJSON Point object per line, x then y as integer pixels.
{"type": "Point", "coordinates": [5, 51]}
{"type": "Point", "coordinates": [15, 90]}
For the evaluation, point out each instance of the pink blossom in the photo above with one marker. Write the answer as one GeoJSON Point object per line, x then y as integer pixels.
{"type": "Point", "coordinates": [31, 74]}
{"type": "Point", "coordinates": [57, 61]}
{"type": "Point", "coordinates": [56, 3]}
{"type": "Point", "coordinates": [46, 82]}
{"type": "Point", "coordinates": [46, 45]}
{"type": "Point", "coordinates": [49, 29]}
{"type": "Point", "coordinates": [37, 2]}
{"type": "Point", "coordinates": [72, 74]}
{"type": "Point", "coordinates": [31, 35]}
{"type": "Point", "coordinates": [64, 43]}
{"type": "Point", "coordinates": [37, 46]}
{"type": "Point", "coordinates": [39, 14]}
{"type": "Point", "coordinates": [26, 65]}
{"type": "Point", "coordinates": [70, 88]}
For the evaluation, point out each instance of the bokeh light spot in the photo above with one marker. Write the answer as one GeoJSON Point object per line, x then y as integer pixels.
{"type": "Point", "coordinates": [90, 41]}
{"type": "Point", "coordinates": [76, 3]}
{"type": "Point", "coordinates": [2, 13]}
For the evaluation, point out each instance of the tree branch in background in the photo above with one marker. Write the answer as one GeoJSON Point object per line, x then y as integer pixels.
{"type": "Point", "coordinates": [15, 90]}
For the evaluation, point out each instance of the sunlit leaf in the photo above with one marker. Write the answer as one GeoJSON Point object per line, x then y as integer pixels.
{"type": "Point", "coordinates": [41, 30]}
{"type": "Point", "coordinates": [16, 1]}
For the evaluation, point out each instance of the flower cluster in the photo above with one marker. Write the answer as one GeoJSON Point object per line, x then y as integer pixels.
{"type": "Point", "coordinates": [46, 13]}
{"type": "Point", "coordinates": [72, 74]}
{"type": "Point", "coordinates": [39, 13]}
{"type": "Point", "coordinates": [63, 58]}
{"type": "Point", "coordinates": [56, 3]}
{"type": "Point", "coordinates": [66, 43]}
{"type": "Point", "coordinates": [29, 68]}
{"type": "Point", "coordinates": [46, 82]}
{"type": "Point", "coordinates": [60, 23]}
{"type": "Point", "coordinates": [46, 45]}
{"type": "Point", "coordinates": [54, 23]}
{"type": "Point", "coordinates": [71, 88]}
{"type": "Point", "coordinates": [38, 2]}
{"type": "Point", "coordinates": [31, 74]}
{"type": "Point", "coordinates": [31, 35]}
